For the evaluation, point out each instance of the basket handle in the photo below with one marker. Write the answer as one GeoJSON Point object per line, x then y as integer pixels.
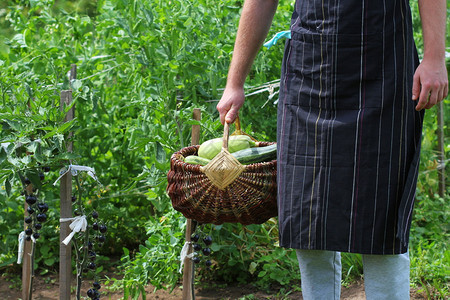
{"type": "Point", "coordinates": [226, 135]}
{"type": "Point", "coordinates": [226, 132]}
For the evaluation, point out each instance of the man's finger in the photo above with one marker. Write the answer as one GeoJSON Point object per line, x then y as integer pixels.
{"type": "Point", "coordinates": [423, 98]}
{"type": "Point", "coordinates": [432, 99]}
{"type": "Point", "coordinates": [222, 112]}
{"type": "Point", "coordinates": [445, 92]}
{"type": "Point", "coordinates": [231, 115]}
{"type": "Point", "coordinates": [416, 87]}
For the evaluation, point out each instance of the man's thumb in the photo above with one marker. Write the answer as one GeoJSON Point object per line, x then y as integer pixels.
{"type": "Point", "coordinates": [231, 115]}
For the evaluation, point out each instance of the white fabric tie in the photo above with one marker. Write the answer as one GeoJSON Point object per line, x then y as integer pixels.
{"type": "Point", "coordinates": [78, 224]}
{"type": "Point", "coordinates": [22, 237]}
{"type": "Point", "coordinates": [184, 254]}
{"type": "Point", "coordinates": [73, 169]}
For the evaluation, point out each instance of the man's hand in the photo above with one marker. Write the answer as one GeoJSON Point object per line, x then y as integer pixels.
{"type": "Point", "coordinates": [230, 103]}
{"type": "Point", "coordinates": [430, 85]}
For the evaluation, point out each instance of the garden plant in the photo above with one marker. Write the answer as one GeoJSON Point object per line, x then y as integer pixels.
{"type": "Point", "coordinates": [143, 66]}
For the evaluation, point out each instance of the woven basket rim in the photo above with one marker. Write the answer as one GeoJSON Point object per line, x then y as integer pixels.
{"type": "Point", "coordinates": [192, 167]}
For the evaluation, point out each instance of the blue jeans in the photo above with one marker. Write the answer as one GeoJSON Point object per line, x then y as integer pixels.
{"type": "Point", "coordinates": [385, 276]}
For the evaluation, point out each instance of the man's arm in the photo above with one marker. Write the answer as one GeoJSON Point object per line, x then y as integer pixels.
{"type": "Point", "coordinates": [430, 84]}
{"type": "Point", "coordinates": [254, 24]}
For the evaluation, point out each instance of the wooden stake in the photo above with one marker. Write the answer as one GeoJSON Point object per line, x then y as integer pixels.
{"type": "Point", "coordinates": [441, 145]}
{"type": "Point", "coordinates": [27, 280]}
{"type": "Point", "coordinates": [188, 267]}
{"type": "Point", "coordinates": [65, 193]}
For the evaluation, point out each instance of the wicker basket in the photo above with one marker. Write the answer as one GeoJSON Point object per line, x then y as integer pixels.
{"type": "Point", "coordinates": [249, 199]}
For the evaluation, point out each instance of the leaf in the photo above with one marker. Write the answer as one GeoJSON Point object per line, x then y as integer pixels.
{"type": "Point", "coordinates": [252, 267]}
{"type": "Point", "coordinates": [60, 130]}
{"type": "Point", "coordinates": [49, 261]}
{"type": "Point", "coordinates": [8, 187]}
{"type": "Point", "coordinates": [14, 161]}
{"type": "Point", "coordinates": [15, 125]}
{"type": "Point", "coordinates": [33, 175]}
{"type": "Point", "coordinates": [76, 84]}
{"type": "Point", "coordinates": [20, 40]}
{"type": "Point", "coordinates": [66, 126]}
{"type": "Point", "coordinates": [148, 16]}
{"type": "Point", "coordinates": [67, 156]}
{"type": "Point", "coordinates": [69, 107]}
{"type": "Point", "coordinates": [29, 91]}
{"type": "Point", "coordinates": [160, 156]}
{"type": "Point", "coordinates": [38, 155]}
{"type": "Point", "coordinates": [3, 155]}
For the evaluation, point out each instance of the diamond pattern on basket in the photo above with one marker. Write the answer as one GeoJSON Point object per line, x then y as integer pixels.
{"type": "Point", "coordinates": [223, 169]}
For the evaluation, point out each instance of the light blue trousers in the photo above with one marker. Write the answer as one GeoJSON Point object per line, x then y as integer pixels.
{"type": "Point", "coordinates": [385, 276]}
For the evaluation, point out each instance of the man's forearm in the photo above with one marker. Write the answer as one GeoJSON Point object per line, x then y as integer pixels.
{"type": "Point", "coordinates": [256, 18]}
{"type": "Point", "coordinates": [433, 16]}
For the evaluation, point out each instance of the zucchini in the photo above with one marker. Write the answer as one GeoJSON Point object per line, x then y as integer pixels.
{"type": "Point", "coordinates": [196, 160]}
{"type": "Point", "coordinates": [211, 148]}
{"type": "Point", "coordinates": [256, 154]}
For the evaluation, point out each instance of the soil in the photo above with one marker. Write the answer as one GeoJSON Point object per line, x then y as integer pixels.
{"type": "Point", "coordinates": [47, 288]}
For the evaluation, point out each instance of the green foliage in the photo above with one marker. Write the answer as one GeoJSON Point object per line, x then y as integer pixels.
{"type": "Point", "coordinates": [247, 254]}
{"type": "Point", "coordinates": [430, 256]}
{"type": "Point", "coordinates": [142, 66]}
{"type": "Point", "coordinates": [158, 260]}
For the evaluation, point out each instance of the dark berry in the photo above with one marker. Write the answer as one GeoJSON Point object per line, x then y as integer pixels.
{"type": "Point", "coordinates": [43, 207]}
{"type": "Point", "coordinates": [95, 214]}
{"type": "Point", "coordinates": [28, 238]}
{"type": "Point", "coordinates": [31, 199]}
{"type": "Point", "coordinates": [77, 212]}
{"type": "Point", "coordinates": [74, 198]}
{"type": "Point", "coordinates": [41, 176]}
{"type": "Point", "coordinates": [38, 226]}
{"type": "Point", "coordinates": [208, 263]}
{"type": "Point", "coordinates": [196, 259]}
{"type": "Point", "coordinates": [91, 265]}
{"type": "Point", "coordinates": [96, 285]}
{"type": "Point", "coordinates": [91, 293]}
{"type": "Point", "coordinates": [103, 228]}
{"type": "Point", "coordinates": [207, 240]}
{"type": "Point", "coordinates": [101, 238]}
{"type": "Point", "coordinates": [92, 254]}
{"type": "Point", "coordinates": [90, 245]}
{"type": "Point", "coordinates": [27, 181]}
{"type": "Point", "coordinates": [28, 220]}
{"type": "Point", "coordinates": [206, 251]}
{"type": "Point", "coordinates": [30, 210]}
{"type": "Point", "coordinates": [41, 217]}
{"type": "Point", "coordinates": [36, 235]}
{"type": "Point", "coordinates": [28, 231]}
{"type": "Point", "coordinates": [95, 226]}
{"type": "Point", "coordinates": [197, 247]}
{"type": "Point", "coordinates": [46, 169]}
{"type": "Point", "coordinates": [195, 237]}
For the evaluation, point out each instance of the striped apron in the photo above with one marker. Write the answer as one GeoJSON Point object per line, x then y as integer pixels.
{"type": "Point", "coordinates": [348, 134]}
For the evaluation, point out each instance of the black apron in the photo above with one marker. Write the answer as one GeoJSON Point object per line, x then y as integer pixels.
{"type": "Point", "coordinates": [348, 134]}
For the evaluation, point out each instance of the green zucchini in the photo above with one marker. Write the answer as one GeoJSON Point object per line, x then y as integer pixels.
{"type": "Point", "coordinates": [256, 154]}
{"type": "Point", "coordinates": [211, 148]}
{"type": "Point", "coordinates": [196, 160]}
